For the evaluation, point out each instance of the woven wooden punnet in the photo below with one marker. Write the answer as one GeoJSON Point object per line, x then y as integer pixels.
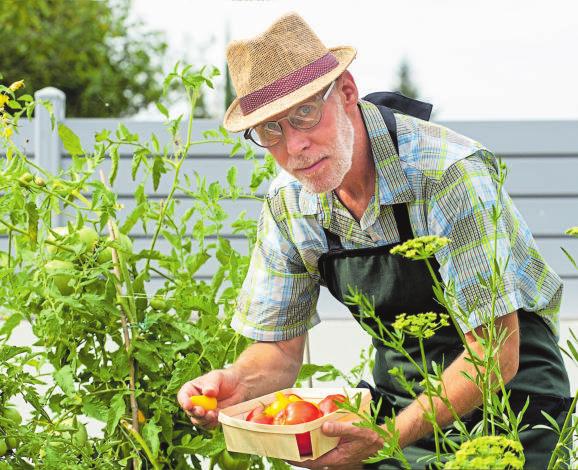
{"type": "Point", "coordinates": [279, 441]}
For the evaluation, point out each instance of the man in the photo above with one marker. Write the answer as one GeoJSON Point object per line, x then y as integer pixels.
{"type": "Point", "coordinates": [357, 181]}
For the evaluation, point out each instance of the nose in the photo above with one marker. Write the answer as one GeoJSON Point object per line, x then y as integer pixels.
{"type": "Point", "coordinates": [296, 141]}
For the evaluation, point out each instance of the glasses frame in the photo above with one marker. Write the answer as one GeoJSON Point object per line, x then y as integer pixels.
{"type": "Point", "coordinates": [248, 134]}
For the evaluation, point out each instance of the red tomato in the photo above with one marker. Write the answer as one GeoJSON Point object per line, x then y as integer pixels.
{"type": "Point", "coordinates": [298, 412]}
{"type": "Point", "coordinates": [304, 443]}
{"type": "Point", "coordinates": [257, 415]}
{"type": "Point", "coordinates": [327, 405]}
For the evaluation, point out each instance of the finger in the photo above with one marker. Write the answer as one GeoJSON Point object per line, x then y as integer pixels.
{"type": "Point", "coordinates": [208, 421]}
{"type": "Point", "coordinates": [185, 393]}
{"type": "Point", "coordinates": [334, 429]}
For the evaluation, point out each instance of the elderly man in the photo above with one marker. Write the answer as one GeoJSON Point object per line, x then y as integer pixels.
{"type": "Point", "coordinates": [357, 180]}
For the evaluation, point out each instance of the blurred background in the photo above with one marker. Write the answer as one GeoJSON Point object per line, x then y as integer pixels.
{"type": "Point", "coordinates": [472, 60]}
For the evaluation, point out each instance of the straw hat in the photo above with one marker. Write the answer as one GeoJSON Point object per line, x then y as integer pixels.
{"type": "Point", "coordinates": [278, 69]}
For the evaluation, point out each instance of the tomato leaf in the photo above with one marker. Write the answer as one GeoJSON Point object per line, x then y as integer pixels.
{"type": "Point", "coordinates": [70, 140]}
{"type": "Point", "coordinates": [65, 380]}
{"type": "Point", "coordinates": [158, 170]}
{"type": "Point", "coordinates": [150, 432]}
{"type": "Point", "coordinates": [115, 413]}
{"type": "Point", "coordinates": [114, 158]}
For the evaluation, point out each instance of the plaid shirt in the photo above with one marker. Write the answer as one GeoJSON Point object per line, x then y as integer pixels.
{"type": "Point", "coordinates": [446, 181]}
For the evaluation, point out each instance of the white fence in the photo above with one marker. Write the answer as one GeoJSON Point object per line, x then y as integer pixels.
{"type": "Point", "coordinates": [542, 157]}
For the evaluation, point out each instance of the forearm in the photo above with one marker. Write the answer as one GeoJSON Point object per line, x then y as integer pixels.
{"type": "Point", "coordinates": [462, 393]}
{"type": "Point", "coordinates": [266, 367]}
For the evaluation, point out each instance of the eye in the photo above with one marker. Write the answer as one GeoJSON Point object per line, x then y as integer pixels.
{"type": "Point", "coordinates": [271, 127]}
{"type": "Point", "coordinates": [305, 110]}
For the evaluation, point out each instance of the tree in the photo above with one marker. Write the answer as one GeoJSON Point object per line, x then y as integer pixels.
{"type": "Point", "coordinates": [106, 65]}
{"type": "Point", "coordinates": [405, 85]}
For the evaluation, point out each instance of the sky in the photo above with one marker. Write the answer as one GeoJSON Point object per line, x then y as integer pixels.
{"type": "Point", "coordinates": [490, 60]}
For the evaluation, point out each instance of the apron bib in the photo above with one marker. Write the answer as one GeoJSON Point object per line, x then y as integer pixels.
{"type": "Point", "coordinates": [398, 285]}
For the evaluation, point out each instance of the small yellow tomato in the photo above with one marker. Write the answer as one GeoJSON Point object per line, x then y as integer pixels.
{"type": "Point", "coordinates": [208, 403]}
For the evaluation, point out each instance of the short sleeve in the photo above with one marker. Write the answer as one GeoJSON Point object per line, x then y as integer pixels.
{"type": "Point", "coordinates": [461, 208]}
{"type": "Point", "coordinates": [278, 298]}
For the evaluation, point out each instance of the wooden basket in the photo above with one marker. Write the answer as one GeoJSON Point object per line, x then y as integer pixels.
{"type": "Point", "coordinates": [272, 440]}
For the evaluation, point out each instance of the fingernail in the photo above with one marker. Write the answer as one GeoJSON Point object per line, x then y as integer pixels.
{"type": "Point", "coordinates": [329, 427]}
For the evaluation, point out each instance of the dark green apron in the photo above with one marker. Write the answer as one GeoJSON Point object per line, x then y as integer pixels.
{"type": "Point", "coordinates": [398, 285]}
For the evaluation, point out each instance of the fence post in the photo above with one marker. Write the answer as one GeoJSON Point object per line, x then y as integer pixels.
{"type": "Point", "coordinates": [47, 147]}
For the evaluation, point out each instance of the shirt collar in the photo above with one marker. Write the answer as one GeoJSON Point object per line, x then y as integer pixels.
{"type": "Point", "coordinates": [392, 183]}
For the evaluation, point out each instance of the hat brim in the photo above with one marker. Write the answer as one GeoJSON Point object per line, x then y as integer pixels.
{"type": "Point", "coordinates": [235, 121]}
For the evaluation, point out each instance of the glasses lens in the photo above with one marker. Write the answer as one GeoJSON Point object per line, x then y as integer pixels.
{"type": "Point", "coordinates": [306, 115]}
{"type": "Point", "coordinates": [266, 134]}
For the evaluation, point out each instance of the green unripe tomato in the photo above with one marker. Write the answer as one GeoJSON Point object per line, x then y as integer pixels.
{"type": "Point", "coordinates": [38, 181]}
{"type": "Point", "coordinates": [86, 235]}
{"type": "Point", "coordinates": [233, 460]}
{"type": "Point", "coordinates": [11, 442]}
{"type": "Point", "coordinates": [125, 246]}
{"type": "Point", "coordinates": [56, 271]}
{"type": "Point", "coordinates": [3, 447]}
{"type": "Point", "coordinates": [62, 231]}
{"type": "Point", "coordinates": [159, 304]}
{"type": "Point", "coordinates": [13, 415]}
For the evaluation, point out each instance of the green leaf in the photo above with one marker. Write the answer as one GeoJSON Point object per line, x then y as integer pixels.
{"type": "Point", "coordinates": [308, 371]}
{"type": "Point", "coordinates": [102, 135]}
{"type": "Point", "coordinates": [10, 323]}
{"type": "Point", "coordinates": [155, 142]}
{"type": "Point", "coordinates": [26, 98]}
{"type": "Point", "coordinates": [14, 104]}
{"type": "Point", "coordinates": [570, 258]}
{"type": "Point", "coordinates": [150, 433]}
{"type": "Point", "coordinates": [186, 369]}
{"type": "Point", "coordinates": [114, 157]}
{"type": "Point", "coordinates": [232, 176]}
{"type": "Point", "coordinates": [158, 170]}
{"type": "Point", "coordinates": [70, 140]}
{"type": "Point", "coordinates": [162, 109]}
{"type": "Point", "coordinates": [65, 380]}
{"type": "Point", "coordinates": [115, 413]}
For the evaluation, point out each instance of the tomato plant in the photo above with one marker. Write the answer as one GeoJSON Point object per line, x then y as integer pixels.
{"type": "Point", "coordinates": [118, 328]}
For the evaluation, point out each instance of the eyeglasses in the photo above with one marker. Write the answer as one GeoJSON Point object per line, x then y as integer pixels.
{"type": "Point", "coordinates": [303, 116]}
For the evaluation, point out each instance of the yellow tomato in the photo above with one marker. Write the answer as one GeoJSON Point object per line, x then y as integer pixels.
{"type": "Point", "coordinates": [208, 403]}
{"type": "Point", "coordinates": [280, 403]}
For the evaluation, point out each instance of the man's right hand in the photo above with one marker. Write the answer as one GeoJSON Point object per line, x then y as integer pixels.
{"type": "Point", "coordinates": [223, 384]}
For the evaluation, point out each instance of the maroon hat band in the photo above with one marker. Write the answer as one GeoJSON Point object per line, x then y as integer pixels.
{"type": "Point", "coordinates": [288, 84]}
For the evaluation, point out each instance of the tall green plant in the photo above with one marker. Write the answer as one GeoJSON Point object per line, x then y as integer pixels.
{"type": "Point", "coordinates": [108, 347]}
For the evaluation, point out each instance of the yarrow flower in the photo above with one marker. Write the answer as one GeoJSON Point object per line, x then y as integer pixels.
{"type": "Point", "coordinates": [421, 247]}
{"type": "Point", "coordinates": [495, 452]}
{"type": "Point", "coordinates": [572, 231]}
{"type": "Point", "coordinates": [422, 325]}
{"type": "Point", "coordinates": [17, 85]}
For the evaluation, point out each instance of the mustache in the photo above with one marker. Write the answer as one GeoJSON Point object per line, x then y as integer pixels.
{"type": "Point", "coordinates": [306, 162]}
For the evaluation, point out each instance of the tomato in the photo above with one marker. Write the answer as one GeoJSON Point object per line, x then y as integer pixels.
{"type": "Point", "coordinates": [304, 443]}
{"type": "Point", "coordinates": [124, 245]}
{"type": "Point", "coordinates": [233, 460]}
{"type": "Point", "coordinates": [3, 447]}
{"type": "Point", "coordinates": [59, 272]}
{"type": "Point", "coordinates": [208, 403]}
{"type": "Point", "coordinates": [38, 181]}
{"type": "Point", "coordinates": [257, 415]}
{"type": "Point", "coordinates": [159, 304]}
{"type": "Point", "coordinates": [298, 412]}
{"type": "Point", "coordinates": [86, 235]}
{"type": "Point", "coordinates": [327, 405]}
{"type": "Point", "coordinates": [25, 179]}
{"type": "Point", "coordinates": [141, 417]}
{"type": "Point", "coordinates": [13, 415]}
{"type": "Point", "coordinates": [11, 442]}
{"type": "Point", "coordinates": [281, 401]}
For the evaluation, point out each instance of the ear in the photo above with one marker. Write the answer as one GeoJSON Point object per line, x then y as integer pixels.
{"type": "Point", "coordinates": [348, 91]}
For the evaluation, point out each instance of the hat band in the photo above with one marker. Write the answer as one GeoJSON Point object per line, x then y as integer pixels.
{"type": "Point", "coordinates": [288, 84]}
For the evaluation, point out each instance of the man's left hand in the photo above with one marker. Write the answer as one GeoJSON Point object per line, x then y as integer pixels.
{"type": "Point", "coordinates": [356, 444]}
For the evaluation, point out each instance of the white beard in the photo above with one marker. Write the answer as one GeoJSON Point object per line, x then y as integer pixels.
{"type": "Point", "coordinates": [340, 155]}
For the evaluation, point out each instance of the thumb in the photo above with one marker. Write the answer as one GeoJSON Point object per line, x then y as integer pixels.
{"type": "Point", "coordinates": [335, 429]}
